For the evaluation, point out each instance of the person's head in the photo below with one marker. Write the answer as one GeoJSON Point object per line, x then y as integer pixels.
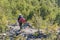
{"type": "Point", "coordinates": [20, 15]}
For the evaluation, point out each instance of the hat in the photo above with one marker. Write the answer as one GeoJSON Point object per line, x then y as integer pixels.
{"type": "Point", "coordinates": [20, 14]}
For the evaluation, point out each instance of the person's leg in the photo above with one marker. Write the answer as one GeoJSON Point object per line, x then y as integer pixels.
{"type": "Point", "coordinates": [20, 25]}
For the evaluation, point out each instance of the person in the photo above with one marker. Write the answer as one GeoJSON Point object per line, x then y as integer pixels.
{"type": "Point", "coordinates": [21, 20]}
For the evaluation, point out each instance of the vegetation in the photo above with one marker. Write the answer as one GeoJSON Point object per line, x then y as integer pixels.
{"type": "Point", "coordinates": [42, 14]}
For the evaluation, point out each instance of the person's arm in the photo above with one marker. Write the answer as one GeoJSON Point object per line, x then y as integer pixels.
{"type": "Point", "coordinates": [19, 18]}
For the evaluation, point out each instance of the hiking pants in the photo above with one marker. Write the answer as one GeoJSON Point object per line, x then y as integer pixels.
{"type": "Point", "coordinates": [20, 24]}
